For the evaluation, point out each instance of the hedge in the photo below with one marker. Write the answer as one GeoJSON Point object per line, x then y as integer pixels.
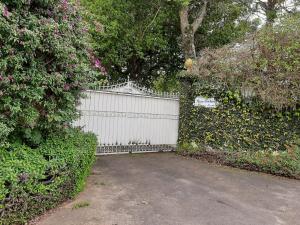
{"type": "Point", "coordinates": [35, 180]}
{"type": "Point", "coordinates": [235, 124]}
{"type": "Point", "coordinates": [238, 132]}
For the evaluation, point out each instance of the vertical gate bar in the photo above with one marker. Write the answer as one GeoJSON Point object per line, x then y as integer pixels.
{"type": "Point", "coordinates": [159, 135]}
{"type": "Point", "coordinates": [141, 120]}
{"type": "Point", "coordinates": [105, 116]}
{"type": "Point", "coordinates": [163, 111]}
{"type": "Point", "coordinates": [152, 121]}
{"type": "Point", "coordinates": [135, 124]}
{"type": "Point", "coordinates": [110, 131]}
{"type": "Point", "coordinates": [95, 106]}
{"type": "Point", "coordinates": [165, 102]}
{"type": "Point", "coordinates": [86, 111]}
{"type": "Point", "coordinates": [122, 120]}
{"type": "Point", "coordinates": [113, 108]}
{"type": "Point", "coordinates": [115, 119]}
{"type": "Point", "coordinates": [100, 125]}
{"type": "Point", "coordinates": [78, 121]}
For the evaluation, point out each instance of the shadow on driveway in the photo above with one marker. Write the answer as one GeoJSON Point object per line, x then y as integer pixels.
{"type": "Point", "coordinates": [166, 189]}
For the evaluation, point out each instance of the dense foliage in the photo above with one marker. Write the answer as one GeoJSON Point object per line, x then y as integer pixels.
{"type": "Point", "coordinates": [143, 40]}
{"type": "Point", "coordinates": [256, 84]}
{"type": "Point", "coordinates": [266, 64]}
{"type": "Point", "coordinates": [286, 163]}
{"type": "Point", "coordinates": [34, 180]}
{"type": "Point", "coordinates": [224, 23]}
{"type": "Point", "coordinates": [236, 124]}
{"type": "Point", "coordinates": [239, 133]}
{"type": "Point", "coordinates": [135, 38]}
{"type": "Point", "coordinates": [45, 62]}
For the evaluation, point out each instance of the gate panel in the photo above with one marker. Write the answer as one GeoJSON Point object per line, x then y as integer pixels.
{"type": "Point", "coordinates": [130, 122]}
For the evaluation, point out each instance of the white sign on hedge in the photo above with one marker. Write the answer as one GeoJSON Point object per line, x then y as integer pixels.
{"type": "Point", "coordinates": [206, 102]}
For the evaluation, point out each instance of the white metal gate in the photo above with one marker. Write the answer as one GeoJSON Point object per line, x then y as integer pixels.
{"type": "Point", "coordinates": [128, 118]}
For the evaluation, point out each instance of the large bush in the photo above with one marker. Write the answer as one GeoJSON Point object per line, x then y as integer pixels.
{"type": "Point", "coordinates": [256, 84]}
{"type": "Point", "coordinates": [267, 64]}
{"type": "Point", "coordinates": [235, 124]}
{"type": "Point", "coordinates": [45, 62]}
{"type": "Point", "coordinates": [34, 180]}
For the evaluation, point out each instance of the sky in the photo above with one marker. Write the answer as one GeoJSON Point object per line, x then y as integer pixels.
{"type": "Point", "coordinates": [289, 4]}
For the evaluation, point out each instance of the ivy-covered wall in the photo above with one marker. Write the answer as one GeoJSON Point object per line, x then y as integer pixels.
{"type": "Point", "coordinates": [236, 124]}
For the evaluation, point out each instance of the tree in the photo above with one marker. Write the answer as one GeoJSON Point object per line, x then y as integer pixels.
{"type": "Point", "coordinates": [45, 63]}
{"type": "Point", "coordinates": [188, 29]}
{"type": "Point", "coordinates": [138, 39]}
{"type": "Point", "coordinates": [216, 23]}
{"type": "Point", "coordinates": [271, 8]}
{"type": "Point", "coordinates": [225, 22]}
{"type": "Point", "coordinates": [148, 40]}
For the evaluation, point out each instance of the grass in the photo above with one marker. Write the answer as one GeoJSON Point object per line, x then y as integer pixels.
{"type": "Point", "coordinates": [81, 205]}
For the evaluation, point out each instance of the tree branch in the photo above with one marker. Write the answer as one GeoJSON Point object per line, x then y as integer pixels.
{"type": "Point", "coordinates": [199, 19]}
{"type": "Point", "coordinates": [184, 19]}
{"type": "Point", "coordinates": [262, 5]}
{"type": "Point", "coordinates": [152, 21]}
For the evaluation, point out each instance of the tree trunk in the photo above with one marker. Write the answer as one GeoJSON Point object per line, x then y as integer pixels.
{"type": "Point", "coordinates": [271, 12]}
{"type": "Point", "coordinates": [188, 42]}
{"type": "Point", "coordinates": [188, 30]}
{"type": "Point", "coordinates": [187, 34]}
{"type": "Point", "coordinates": [271, 8]}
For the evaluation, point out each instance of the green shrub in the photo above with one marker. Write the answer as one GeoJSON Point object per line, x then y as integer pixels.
{"type": "Point", "coordinates": [257, 86]}
{"type": "Point", "coordinates": [45, 62]}
{"type": "Point", "coordinates": [4, 132]}
{"type": "Point", "coordinates": [267, 63]}
{"type": "Point", "coordinates": [235, 125]}
{"type": "Point", "coordinates": [34, 180]}
{"type": "Point", "coordinates": [285, 163]}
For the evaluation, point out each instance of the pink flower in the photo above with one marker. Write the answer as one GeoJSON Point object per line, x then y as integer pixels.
{"type": "Point", "coordinates": [66, 87]}
{"type": "Point", "coordinates": [65, 4]}
{"type": "Point", "coordinates": [5, 12]}
{"type": "Point", "coordinates": [103, 71]}
{"type": "Point", "coordinates": [85, 30]}
{"type": "Point", "coordinates": [97, 63]}
{"type": "Point", "coordinates": [10, 77]}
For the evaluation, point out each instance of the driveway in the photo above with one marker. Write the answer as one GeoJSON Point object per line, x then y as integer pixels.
{"type": "Point", "coordinates": [166, 189]}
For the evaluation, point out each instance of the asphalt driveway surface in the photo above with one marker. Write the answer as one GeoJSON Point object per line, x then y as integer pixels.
{"type": "Point", "coordinates": [166, 189]}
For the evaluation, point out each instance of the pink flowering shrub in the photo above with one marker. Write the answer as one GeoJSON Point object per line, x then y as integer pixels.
{"type": "Point", "coordinates": [45, 63]}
